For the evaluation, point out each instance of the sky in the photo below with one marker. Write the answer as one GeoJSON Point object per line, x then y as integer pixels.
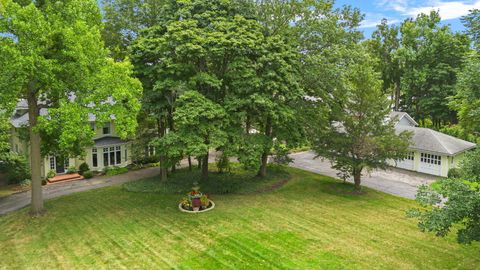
{"type": "Point", "coordinates": [398, 10]}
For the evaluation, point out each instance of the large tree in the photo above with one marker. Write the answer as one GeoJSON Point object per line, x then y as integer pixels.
{"type": "Point", "coordinates": [467, 99]}
{"type": "Point", "coordinates": [430, 57]}
{"type": "Point", "coordinates": [54, 57]}
{"type": "Point", "coordinates": [472, 23]}
{"type": "Point", "coordinates": [385, 43]}
{"type": "Point", "coordinates": [453, 203]}
{"type": "Point", "coordinates": [360, 135]}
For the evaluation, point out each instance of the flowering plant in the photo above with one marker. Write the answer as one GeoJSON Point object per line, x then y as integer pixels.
{"type": "Point", "coordinates": [195, 199]}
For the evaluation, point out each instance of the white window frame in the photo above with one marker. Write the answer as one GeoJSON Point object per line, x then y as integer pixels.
{"type": "Point", "coordinates": [109, 126]}
{"type": "Point", "coordinates": [430, 159]}
{"type": "Point", "coordinates": [116, 150]}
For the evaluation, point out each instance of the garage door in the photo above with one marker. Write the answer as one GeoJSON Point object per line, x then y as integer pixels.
{"type": "Point", "coordinates": [430, 163]}
{"type": "Point", "coordinates": [406, 163]}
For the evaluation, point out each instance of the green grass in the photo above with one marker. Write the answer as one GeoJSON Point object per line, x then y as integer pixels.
{"type": "Point", "coordinates": [313, 222]}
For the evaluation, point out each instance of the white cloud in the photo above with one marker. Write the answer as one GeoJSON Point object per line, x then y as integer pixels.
{"type": "Point", "coordinates": [373, 19]}
{"type": "Point", "coordinates": [448, 9]}
{"type": "Point", "coordinates": [411, 8]}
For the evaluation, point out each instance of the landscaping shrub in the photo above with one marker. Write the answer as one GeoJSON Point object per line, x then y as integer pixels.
{"type": "Point", "coordinates": [26, 183]}
{"type": "Point", "coordinates": [83, 168]}
{"type": "Point", "coordinates": [51, 174]}
{"type": "Point", "coordinates": [238, 181]}
{"type": "Point", "coordinates": [44, 182]}
{"type": "Point", "coordinates": [280, 154]}
{"type": "Point", "coordinates": [223, 164]}
{"type": "Point", "coordinates": [115, 171]}
{"type": "Point", "coordinates": [16, 168]}
{"type": "Point", "coordinates": [87, 174]}
{"type": "Point", "coordinates": [72, 169]}
{"type": "Point", "coordinates": [454, 173]}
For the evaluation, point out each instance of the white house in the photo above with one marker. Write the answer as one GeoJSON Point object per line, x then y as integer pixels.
{"type": "Point", "coordinates": [107, 149]}
{"type": "Point", "coordinates": [431, 152]}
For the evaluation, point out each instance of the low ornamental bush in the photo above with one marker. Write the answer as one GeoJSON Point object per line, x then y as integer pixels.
{"type": "Point", "coordinates": [15, 168]}
{"type": "Point", "coordinates": [51, 174]}
{"type": "Point", "coordinates": [454, 173]}
{"type": "Point", "coordinates": [88, 174]}
{"type": "Point", "coordinates": [83, 168]}
{"type": "Point", "coordinates": [115, 171]}
{"type": "Point", "coordinates": [71, 170]}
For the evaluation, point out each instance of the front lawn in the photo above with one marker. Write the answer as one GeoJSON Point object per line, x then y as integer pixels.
{"type": "Point", "coordinates": [312, 222]}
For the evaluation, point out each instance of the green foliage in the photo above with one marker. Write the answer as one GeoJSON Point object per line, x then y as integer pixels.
{"type": "Point", "coordinates": [200, 123]}
{"type": "Point", "coordinates": [453, 202]}
{"type": "Point", "coordinates": [460, 209]}
{"type": "Point", "coordinates": [472, 23]}
{"type": "Point", "coordinates": [52, 54]}
{"type": "Point", "coordinates": [5, 130]}
{"type": "Point", "coordinates": [237, 181]}
{"type": "Point", "coordinates": [87, 174]}
{"type": "Point", "coordinates": [51, 174]}
{"type": "Point", "coordinates": [459, 132]}
{"type": "Point", "coordinates": [72, 169]}
{"type": "Point", "coordinates": [454, 173]}
{"type": "Point", "coordinates": [223, 163]}
{"type": "Point", "coordinates": [431, 55]}
{"type": "Point", "coordinates": [280, 154]}
{"type": "Point", "coordinates": [26, 183]}
{"type": "Point", "coordinates": [467, 100]}
{"type": "Point", "coordinates": [83, 168]}
{"type": "Point", "coordinates": [470, 165]}
{"type": "Point", "coordinates": [111, 171]}
{"type": "Point", "coordinates": [15, 167]}
{"type": "Point", "coordinates": [359, 136]}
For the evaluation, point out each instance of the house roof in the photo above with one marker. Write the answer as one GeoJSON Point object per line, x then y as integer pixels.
{"type": "Point", "coordinates": [108, 140]}
{"type": "Point", "coordinates": [400, 115]}
{"type": "Point", "coordinates": [22, 120]}
{"type": "Point", "coordinates": [433, 141]}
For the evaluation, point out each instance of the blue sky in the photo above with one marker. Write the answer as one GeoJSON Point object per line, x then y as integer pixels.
{"type": "Point", "coordinates": [398, 10]}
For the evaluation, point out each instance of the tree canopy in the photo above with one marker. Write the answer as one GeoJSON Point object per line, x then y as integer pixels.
{"type": "Point", "coordinates": [54, 58]}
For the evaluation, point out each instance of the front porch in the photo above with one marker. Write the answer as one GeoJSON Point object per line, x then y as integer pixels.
{"type": "Point", "coordinates": [65, 178]}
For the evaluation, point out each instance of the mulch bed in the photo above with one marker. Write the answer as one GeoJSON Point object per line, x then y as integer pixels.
{"type": "Point", "coordinates": [272, 187]}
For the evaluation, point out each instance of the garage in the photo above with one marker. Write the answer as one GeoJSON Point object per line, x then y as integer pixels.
{"type": "Point", "coordinates": [430, 163]}
{"type": "Point", "coordinates": [407, 163]}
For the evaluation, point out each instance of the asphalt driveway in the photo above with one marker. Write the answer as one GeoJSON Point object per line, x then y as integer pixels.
{"type": "Point", "coordinates": [394, 181]}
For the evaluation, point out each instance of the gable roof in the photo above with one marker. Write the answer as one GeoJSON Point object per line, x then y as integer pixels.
{"type": "Point", "coordinates": [433, 141]}
{"type": "Point", "coordinates": [400, 115]}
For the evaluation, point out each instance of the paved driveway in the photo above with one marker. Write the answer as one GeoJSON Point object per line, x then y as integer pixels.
{"type": "Point", "coordinates": [16, 201]}
{"type": "Point", "coordinates": [395, 181]}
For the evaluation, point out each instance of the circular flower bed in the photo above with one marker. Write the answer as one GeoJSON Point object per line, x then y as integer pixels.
{"type": "Point", "coordinates": [196, 202]}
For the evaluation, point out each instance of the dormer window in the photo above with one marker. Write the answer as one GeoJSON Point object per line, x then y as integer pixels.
{"type": "Point", "coordinates": [106, 129]}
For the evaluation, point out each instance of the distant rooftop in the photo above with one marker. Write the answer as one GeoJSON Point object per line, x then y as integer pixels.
{"type": "Point", "coordinates": [433, 141]}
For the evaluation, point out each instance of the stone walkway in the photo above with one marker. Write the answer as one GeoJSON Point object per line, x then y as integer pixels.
{"type": "Point", "coordinates": [20, 200]}
{"type": "Point", "coordinates": [394, 181]}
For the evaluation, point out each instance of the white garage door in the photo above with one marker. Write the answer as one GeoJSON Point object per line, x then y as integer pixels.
{"type": "Point", "coordinates": [430, 163]}
{"type": "Point", "coordinates": [406, 163]}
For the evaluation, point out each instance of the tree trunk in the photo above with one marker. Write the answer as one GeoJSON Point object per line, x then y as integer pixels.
{"type": "Point", "coordinates": [174, 168]}
{"type": "Point", "coordinates": [189, 163]}
{"type": "Point", "coordinates": [199, 163]}
{"type": "Point", "coordinates": [205, 167]}
{"type": "Point", "coordinates": [263, 166]}
{"type": "Point", "coordinates": [163, 159]}
{"type": "Point", "coordinates": [397, 96]}
{"type": "Point", "coordinates": [35, 156]}
{"type": "Point", "coordinates": [357, 175]}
